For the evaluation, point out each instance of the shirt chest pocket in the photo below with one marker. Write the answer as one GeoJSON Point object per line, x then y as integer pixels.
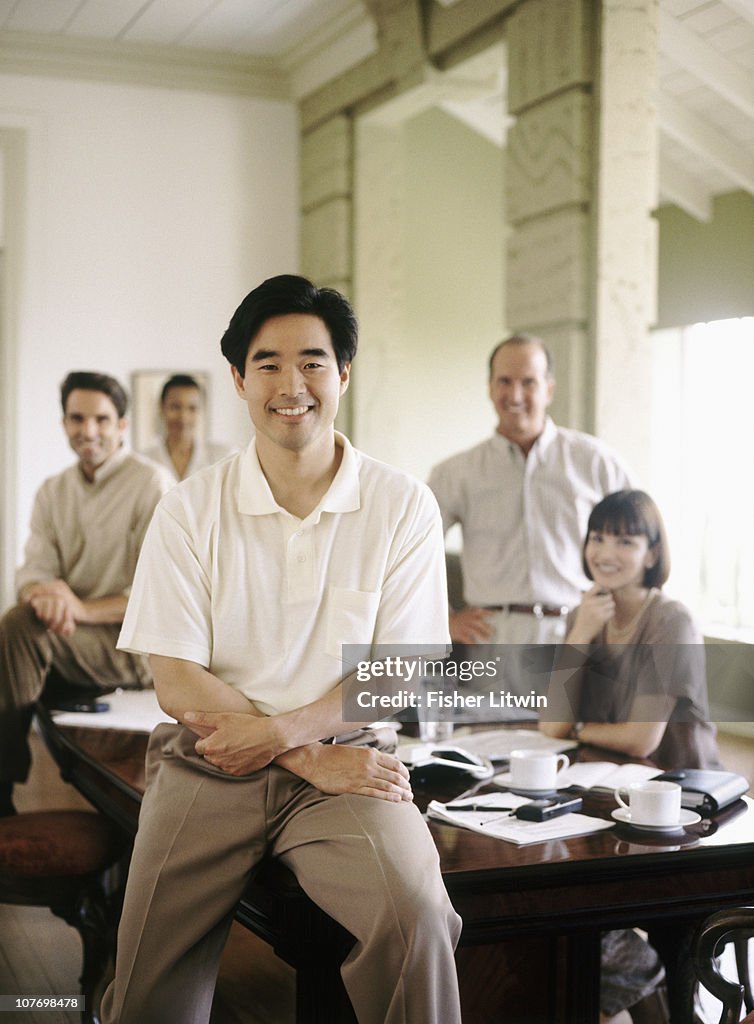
{"type": "Point", "coordinates": [351, 619]}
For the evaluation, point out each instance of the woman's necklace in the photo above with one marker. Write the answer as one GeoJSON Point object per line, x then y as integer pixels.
{"type": "Point", "coordinates": [622, 634]}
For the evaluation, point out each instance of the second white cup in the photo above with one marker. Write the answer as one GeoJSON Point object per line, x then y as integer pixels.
{"type": "Point", "coordinates": [535, 769]}
{"type": "Point", "coordinates": [653, 802]}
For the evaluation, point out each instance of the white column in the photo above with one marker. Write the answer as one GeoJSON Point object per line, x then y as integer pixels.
{"type": "Point", "coordinates": [625, 235]}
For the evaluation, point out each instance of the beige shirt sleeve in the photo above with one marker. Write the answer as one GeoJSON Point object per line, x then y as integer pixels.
{"type": "Point", "coordinates": [42, 554]}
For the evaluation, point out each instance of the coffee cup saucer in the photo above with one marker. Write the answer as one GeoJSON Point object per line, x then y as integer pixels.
{"type": "Point", "coordinates": [687, 817]}
{"type": "Point", "coordinates": [504, 779]}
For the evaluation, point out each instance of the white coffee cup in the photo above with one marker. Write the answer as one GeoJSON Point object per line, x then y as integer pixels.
{"type": "Point", "coordinates": [535, 769]}
{"type": "Point", "coordinates": [653, 802]}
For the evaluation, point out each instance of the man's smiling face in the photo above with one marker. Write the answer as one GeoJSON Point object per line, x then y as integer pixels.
{"type": "Point", "coordinates": [291, 384]}
{"type": "Point", "coordinates": [521, 390]}
{"type": "Point", "coordinates": [94, 429]}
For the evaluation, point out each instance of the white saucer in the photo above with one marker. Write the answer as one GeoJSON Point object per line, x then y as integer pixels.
{"type": "Point", "coordinates": [687, 818]}
{"type": "Point", "coordinates": [504, 779]}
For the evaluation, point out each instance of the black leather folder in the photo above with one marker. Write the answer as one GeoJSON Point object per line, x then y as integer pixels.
{"type": "Point", "coordinates": [707, 790]}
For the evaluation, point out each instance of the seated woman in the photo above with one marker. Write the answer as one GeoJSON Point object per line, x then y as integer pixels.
{"type": "Point", "coordinates": [635, 683]}
{"type": "Point", "coordinates": [181, 450]}
{"type": "Point", "coordinates": [638, 684]}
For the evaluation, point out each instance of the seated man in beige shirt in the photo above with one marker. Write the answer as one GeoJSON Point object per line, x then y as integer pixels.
{"type": "Point", "coordinates": [87, 526]}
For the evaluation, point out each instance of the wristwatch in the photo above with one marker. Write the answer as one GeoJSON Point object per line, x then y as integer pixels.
{"type": "Point", "coordinates": [576, 730]}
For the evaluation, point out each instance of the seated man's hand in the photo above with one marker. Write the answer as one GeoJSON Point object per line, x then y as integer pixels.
{"type": "Point", "coordinates": [236, 743]}
{"type": "Point", "coordinates": [470, 626]}
{"type": "Point", "coordinates": [54, 604]}
{"type": "Point", "coordinates": [337, 769]}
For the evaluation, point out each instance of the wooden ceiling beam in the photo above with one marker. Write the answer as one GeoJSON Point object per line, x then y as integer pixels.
{"type": "Point", "coordinates": [690, 52]}
{"type": "Point", "coordinates": [706, 141]}
{"type": "Point", "coordinates": [743, 8]}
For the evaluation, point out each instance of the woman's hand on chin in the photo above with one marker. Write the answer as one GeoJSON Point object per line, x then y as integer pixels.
{"type": "Point", "coordinates": [592, 615]}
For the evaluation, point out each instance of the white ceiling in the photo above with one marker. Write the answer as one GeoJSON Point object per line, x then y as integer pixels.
{"type": "Point", "coordinates": [255, 27]}
{"type": "Point", "coordinates": [706, 67]}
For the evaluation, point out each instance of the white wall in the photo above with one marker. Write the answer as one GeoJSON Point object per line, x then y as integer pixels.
{"type": "Point", "coordinates": [146, 215]}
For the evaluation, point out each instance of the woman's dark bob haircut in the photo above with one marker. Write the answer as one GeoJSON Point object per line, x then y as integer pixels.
{"type": "Point", "coordinates": [635, 514]}
{"type": "Point", "coordinates": [279, 296]}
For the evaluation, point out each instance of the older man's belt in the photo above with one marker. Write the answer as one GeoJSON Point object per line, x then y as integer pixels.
{"type": "Point", "coordinates": [539, 611]}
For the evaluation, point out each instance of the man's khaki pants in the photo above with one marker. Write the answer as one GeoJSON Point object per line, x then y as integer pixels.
{"type": "Point", "coordinates": [370, 864]}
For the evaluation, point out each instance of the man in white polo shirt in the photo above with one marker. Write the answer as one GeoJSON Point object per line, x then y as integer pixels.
{"type": "Point", "coordinates": [253, 574]}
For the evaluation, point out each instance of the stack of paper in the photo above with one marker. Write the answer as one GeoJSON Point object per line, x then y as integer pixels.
{"type": "Point", "coordinates": [501, 824]}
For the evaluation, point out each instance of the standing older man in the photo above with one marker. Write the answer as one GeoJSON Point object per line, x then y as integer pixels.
{"type": "Point", "coordinates": [87, 525]}
{"type": "Point", "coordinates": [522, 498]}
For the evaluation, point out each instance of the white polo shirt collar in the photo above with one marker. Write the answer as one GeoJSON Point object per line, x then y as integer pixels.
{"type": "Point", "coordinates": [343, 495]}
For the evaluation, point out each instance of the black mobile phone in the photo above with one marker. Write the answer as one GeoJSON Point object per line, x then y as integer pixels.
{"type": "Point", "coordinates": [543, 810]}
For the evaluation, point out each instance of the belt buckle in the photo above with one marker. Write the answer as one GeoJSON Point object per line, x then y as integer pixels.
{"type": "Point", "coordinates": [537, 611]}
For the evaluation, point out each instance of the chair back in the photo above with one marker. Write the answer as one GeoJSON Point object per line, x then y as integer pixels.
{"type": "Point", "coordinates": [734, 925]}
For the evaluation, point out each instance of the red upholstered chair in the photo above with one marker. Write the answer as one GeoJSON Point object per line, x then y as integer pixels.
{"type": "Point", "coordinates": [57, 859]}
{"type": "Point", "coordinates": [735, 925]}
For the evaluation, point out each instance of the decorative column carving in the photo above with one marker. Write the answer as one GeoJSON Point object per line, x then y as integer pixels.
{"type": "Point", "coordinates": [380, 283]}
{"type": "Point", "coordinates": [581, 179]}
{"type": "Point", "coordinates": [549, 176]}
{"type": "Point", "coordinates": [327, 216]}
{"type": "Point", "coordinates": [327, 203]}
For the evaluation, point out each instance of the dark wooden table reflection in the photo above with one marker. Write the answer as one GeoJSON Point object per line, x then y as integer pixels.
{"type": "Point", "coordinates": [532, 915]}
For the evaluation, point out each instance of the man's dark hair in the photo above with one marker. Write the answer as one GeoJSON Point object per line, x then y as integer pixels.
{"type": "Point", "coordinates": [90, 380]}
{"type": "Point", "coordinates": [279, 296]}
{"type": "Point", "coordinates": [524, 339]}
{"type": "Point", "coordinates": [179, 380]}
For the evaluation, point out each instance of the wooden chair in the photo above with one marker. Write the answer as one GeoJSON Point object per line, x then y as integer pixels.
{"type": "Point", "coordinates": [737, 926]}
{"type": "Point", "coordinates": [57, 859]}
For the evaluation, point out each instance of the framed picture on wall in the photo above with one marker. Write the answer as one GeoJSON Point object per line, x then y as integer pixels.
{"type": "Point", "coordinates": [146, 388]}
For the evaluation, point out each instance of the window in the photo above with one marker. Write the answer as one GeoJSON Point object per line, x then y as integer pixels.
{"type": "Point", "coordinates": [701, 475]}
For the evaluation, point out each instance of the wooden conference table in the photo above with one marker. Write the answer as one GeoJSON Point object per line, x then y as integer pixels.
{"type": "Point", "coordinates": [532, 915]}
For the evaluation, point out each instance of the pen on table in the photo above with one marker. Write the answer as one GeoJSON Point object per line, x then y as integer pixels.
{"type": "Point", "coordinates": [478, 807]}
